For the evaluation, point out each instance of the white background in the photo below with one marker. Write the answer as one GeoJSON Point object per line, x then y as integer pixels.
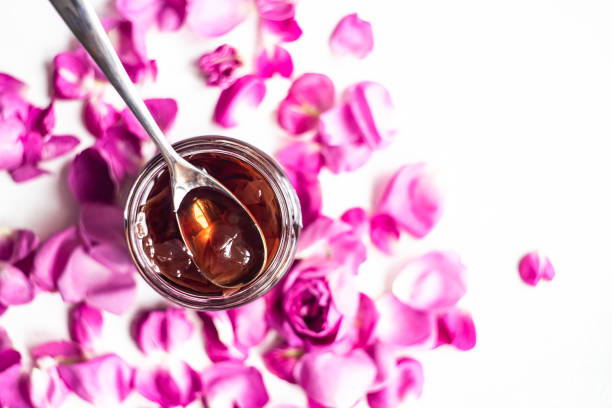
{"type": "Point", "coordinates": [508, 101]}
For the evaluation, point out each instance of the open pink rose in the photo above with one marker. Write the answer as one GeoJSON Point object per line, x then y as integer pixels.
{"type": "Point", "coordinates": [352, 36]}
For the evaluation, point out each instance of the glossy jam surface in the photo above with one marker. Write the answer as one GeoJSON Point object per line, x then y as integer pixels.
{"type": "Point", "coordinates": [225, 243]}
{"type": "Point", "coordinates": [162, 240]}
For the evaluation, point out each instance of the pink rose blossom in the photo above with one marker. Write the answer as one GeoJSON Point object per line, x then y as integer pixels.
{"type": "Point", "coordinates": [232, 385]}
{"type": "Point", "coordinates": [238, 100]}
{"type": "Point", "coordinates": [219, 66]}
{"type": "Point", "coordinates": [163, 330]}
{"type": "Point", "coordinates": [309, 96]}
{"type": "Point", "coordinates": [533, 267]}
{"type": "Point", "coordinates": [352, 36]}
{"type": "Point", "coordinates": [166, 14]}
{"type": "Point", "coordinates": [85, 325]}
{"type": "Point", "coordinates": [274, 61]}
{"type": "Point", "coordinates": [412, 201]}
{"type": "Point", "coordinates": [176, 385]}
{"type": "Point", "coordinates": [456, 328]}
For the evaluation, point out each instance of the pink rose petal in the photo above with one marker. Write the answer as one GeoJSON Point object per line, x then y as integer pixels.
{"type": "Point", "coordinates": [533, 267]}
{"type": "Point", "coordinates": [309, 96]}
{"type": "Point", "coordinates": [15, 287]}
{"type": "Point", "coordinates": [58, 350]}
{"type": "Point", "coordinates": [52, 257]}
{"type": "Point", "coordinates": [276, 61]}
{"type": "Point", "coordinates": [401, 325]}
{"type": "Point", "coordinates": [457, 329]}
{"type": "Point", "coordinates": [373, 111]}
{"type": "Point", "coordinates": [46, 388]}
{"type": "Point", "coordinates": [433, 281]}
{"type": "Point", "coordinates": [101, 224]}
{"type": "Point", "coordinates": [366, 320]}
{"type": "Point", "coordinates": [90, 177]}
{"type": "Point", "coordinates": [384, 232]}
{"type": "Point", "coordinates": [10, 84]}
{"type": "Point", "coordinates": [163, 330]}
{"type": "Point", "coordinates": [281, 361]}
{"type": "Point", "coordinates": [57, 146]}
{"type": "Point", "coordinates": [213, 18]}
{"type": "Point", "coordinates": [249, 323]}
{"type": "Point", "coordinates": [276, 10]}
{"type": "Point", "coordinates": [11, 146]}
{"type": "Point", "coordinates": [85, 325]}
{"type": "Point", "coordinates": [17, 245]}
{"type": "Point", "coordinates": [168, 14]}
{"type": "Point", "coordinates": [26, 172]}
{"type": "Point", "coordinates": [406, 378]}
{"type": "Point", "coordinates": [301, 157]}
{"type": "Point", "coordinates": [5, 341]}
{"type": "Point", "coordinates": [352, 36]}
{"type": "Point", "coordinates": [13, 390]}
{"type": "Point", "coordinates": [412, 200]}
{"type": "Point", "coordinates": [346, 378]}
{"type": "Point", "coordinates": [104, 381]}
{"type": "Point", "coordinates": [231, 385]}
{"type": "Point", "coordinates": [121, 149]}
{"type": "Point", "coordinates": [98, 116]}
{"type": "Point", "coordinates": [240, 99]}
{"type": "Point", "coordinates": [285, 30]}
{"type": "Point", "coordinates": [219, 339]}
{"type": "Point", "coordinates": [176, 385]}
{"type": "Point", "coordinates": [219, 66]}
{"type": "Point", "coordinates": [163, 110]}
{"type": "Point", "coordinates": [357, 218]}
{"type": "Point", "coordinates": [131, 47]}
{"type": "Point", "coordinates": [73, 75]}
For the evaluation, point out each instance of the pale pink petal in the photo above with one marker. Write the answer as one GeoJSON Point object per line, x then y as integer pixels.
{"type": "Point", "coordinates": [219, 66]}
{"type": "Point", "coordinates": [384, 232]}
{"type": "Point", "coordinates": [213, 18]}
{"type": "Point", "coordinates": [406, 378]}
{"type": "Point", "coordinates": [347, 157]}
{"type": "Point", "coordinates": [141, 12]}
{"type": "Point", "coordinates": [163, 110]}
{"type": "Point", "coordinates": [239, 100]}
{"type": "Point", "coordinates": [46, 388]}
{"type": "Point", "coordinates": [281, 361]}
{"type": "Point", "coordinates": [373, 112]}
{"type": "Point", "coordinates": [309, 96]}
{"type": "Point", "coordinates": [366, 320]}
{"type": "Point", "coordinates": [52, 257]}
{"type": "Point", "coordinates": [57, 146]}
{"type": "Point", "coordinates": [457, 329]}
{"type": "Point", "coordinates": [249, 323]}
{"type": "Point", "coordinates": [73, 75]}
{"type": "Point", "coordinates": [176, 385]}
{"type": "Point", "coordinates": [285, 30]}
{"type": "Point", "coordinates": [58, 350]}
{"type": "Point", "coordinates": [357, 218]}
{"type": "Point", "coordinates": [172, 15]}
{"type": "Point", "coordinates": [533, 267]}
{"type": "Point", "coordinates": [26, 172]}
{"type": "Point", "coordinates": [116, 295]}
{"type": "Point", "coordinates": [301, 157]}
{"type": "Point", "coordinates": [15, 287]}
{"type": "Point", "coordinates": [163, 330]}
{"type": "Point", "coordinates": [104, 381]}
{"type": "Point", "coordinates": [276, 61]}
{"type": "Point", "coordinates": [85, 325]}
{"type": "Point", "coordinates": [400, 324]}
{"type": "Point", "coordinates": [319, 233]}
{"type": "Point", "coordinates": [412, 200]}
{"type": "Point", "coordinates": [101, 224]}
{"type": "Point", "coordinates": [308, 189]}
{"type": "Point", "coordinates": [13, 390]}
{"type": "Point", "coordinates": [11, 146]}
{"type": "Point", "coordinates": [98, 116]}
{"type": "Point", "coordinates": [352, 36]}
{"type": "Point", "coordinates": [116, 257]}
{"type": "Point", "coordinates": [219, 338]}
{"type": "Point", "coordinates": [346, 379]}
{"type": "Point", "coordinates": [277, 10]}
{"type": "Point", "coordinates": [5, 341]}
{"type": "Point", "coordinates": [231, 385]}
{"type": "Point", "coordinates": [90, 177]}
{"type": "Point", "coordinates": [17, 245]}
{"type": "Point", "coordinates": [433, 281]}
{"type": "Point", "coordinates": [12, 104]}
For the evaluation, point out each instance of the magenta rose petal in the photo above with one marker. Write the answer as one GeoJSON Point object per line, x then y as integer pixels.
{"type": "Point", "coordinates": [219, 338]}
{"type": "Point", "coordinates": [176, 385]}
{"type": "Point", "coordinates": [366, 320]}
{"type": "Point", "coordinates": [219, 66]}
{"type": "Point", "coordinates": [101, 223]}
{"type": "Point", "coordinates": [285, 30]}
{"type": "Point", "coordinates": [301, 157]}
{"type": "Point", "coordinates": [115, 296]}
{"type": "Point", "coordinates": [98, 116]}
{"type": "Point", "coordinates": [238, 100]}
{"type": "Point", "coordinates": [26, 172]}
{"type": "Point", "coordinates": [249, 323]}
{"type": "Point", "coordinates": [276, 61]}
{"type": "Point", "coordinates": [357, 218]}
{"type": "Point", "coordinates": [163, 110]}
{"type": "Point", "coordinates": [406, 378]}
{"type": "Point", "coordinates": [5, 341]}
{"type": "Point", "coordinates": [309, 96]}
{"type": "Point", "coordinates": [15, 287]}
{"type": "Point", "coordinates": [456, 328]}
{"type": "Point", "coordinates": [11, 145]}
{"type": "Point", "coordinates": [400, 324]}
{"type": "Point", "coordinates": [90, 177]}
{"type": "Point", "coordinates": [384, 232]}
{"type": "Point", "coordinates": [57, 146]}
{"type": "Point", "coordinates": [51, 258]}
{"type": "Point", "coordinates": [10, 84]}
{"type": "Point", "coordinates": [14, 391]}
{"type": "Point", "coordinates": [412, 200]}
{"type": "Point", "coordinates": [85, 325]}
{"type": "Point", "coordinates": [533, 267]}
{"type": "Point", "coordinates": [116, 257]}
{"type": "Point", "coordinates": [213, 18]}
{"type": "Point", "coordinates": [276, 10]}
{"type": "Point", "coordinates": [347, 377]}
{"type": "Point", "coordinates": [17, 245]}
{"type": "Point", "coordinates": [281, 361]}
{"type": "Point", "coordinates": [352, 36]}
{"type": "Point", "coordinates": [121, 150]}
{"type": "Point", "coordinates": [103, 381]}
{"type": "Point", "coordinates": [163, 330]}
{"type": "Point", "coordinates": [433, 281]}
{"type": "Point", "coordinates": [230, 385]}
{"type": "Point", "coordinates": [62, 349]}
{"type": "Point", "coordinates": [131, 46]}
{"type": "Point", "coordinates": [73, 75]}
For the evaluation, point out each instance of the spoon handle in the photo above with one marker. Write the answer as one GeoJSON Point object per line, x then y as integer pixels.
{"type": "Point", "coordinates": [81, 18]}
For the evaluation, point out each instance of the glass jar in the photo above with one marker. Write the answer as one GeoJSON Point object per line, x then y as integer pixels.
{"type": "Point", "coordinates": [290, 223]}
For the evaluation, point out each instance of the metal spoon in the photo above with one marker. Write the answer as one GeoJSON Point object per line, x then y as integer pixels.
{"type": "Point", "coordinates": [185, 178]}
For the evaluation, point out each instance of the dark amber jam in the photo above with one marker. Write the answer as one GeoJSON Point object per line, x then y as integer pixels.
{"type": "Point", "coordinates": [162, 242]}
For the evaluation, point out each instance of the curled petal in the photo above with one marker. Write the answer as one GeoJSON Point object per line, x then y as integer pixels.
{"type": "Point", "coordinates": [26, 172]}
{"type": "Point", "coordinates": [457, 329]}
{"type": "Point", "coordinates": [163, 330]}
{"type": "Point", "coordinates": [10, 84]}
{"type": "Point", "coordinates": [285, 30]}
{"type": "Point", "coordinates": [433, 281]}
{"type": "Point", "coordinates": [357, 218]}
{"type": "Point", "coordinates": [276, 10]}
{"type": "Point", "coordinates": [279, 61]}
{"type": "Point", "coordinates": [98, 116]}
{"type": "Point", "coordinates": [172, 15]}
{"type": "Point", "coordinates": [101, 223]}
{"type": "Point", "coordinates": [177, 385]}
{"type": "Point", "coordinates": [57, 146]}
{"type": "Point", "coordinates": [352, 36]}
{"type": "Point", "coordinates": [163, 110]}
{"type": "Point", "coordinates": [131, 46]}
{"type": "Point", "coordinates": [121, 150]}
{"type": "Point", "coordinates": [219, 66]}
{"type": "Point", "coordinates": [5, 341]}
{"type": "Point", "coordinates": [52, 257]}
{"type": "Point", "coordinates": [85, 325]}
{"type": "Point", "coordinates": [46, 388]}
{"type": "Point", "coordinates": [384, 232]}
{"type": "Point", "coordinates": [406, 378]}
{"type": "Point", "coordinates": [281, 361]}
{"type": "Point", "coordinates": [15, 287]}
{"type": "Point", "coordinates": [13, 393]}
{"type": "Point", "coordinates": [104, 381]}
{"type": "Point", "coordinates": [11, 145]}
{"type": "Point", "coordinates": [73, 75]}
{"type": "Point", "coordinates": [301, 157]}
{"type": "Point", "coordinates": [373, 111]}
{"type": "Point", "coordinates": [241, 98]}
{"type": "Point", "coordinates": [90, 177]}
{"type": "Point", "coordinates": [346, 378]}
{"type": "Point", "coordinates": [366, 320]}
{"type": "Point", "coordinates": [249, 323]}
{"type": "Point", "coordinates": [533, 267]}
{"type": "Point", "coordinates": [309, 96]}
{"type": "Point", "coordinates": [401, 325]}
{"type": "Point", "coordinates": [219, 338]}
{"type": "Point", "coordinates": [412, 200]}
{"type": "Point", "coordinates": [213, 18]}
{"type": "Point", "coordinates": [230, 385]}
{"type": "Point", "coordinates": [17, 245]}
{"type": "Point", "coordinates": [58, 350]}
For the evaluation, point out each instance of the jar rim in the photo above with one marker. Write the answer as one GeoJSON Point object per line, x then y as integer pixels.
{"type": "Point", "coordinates": [291, 222]}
